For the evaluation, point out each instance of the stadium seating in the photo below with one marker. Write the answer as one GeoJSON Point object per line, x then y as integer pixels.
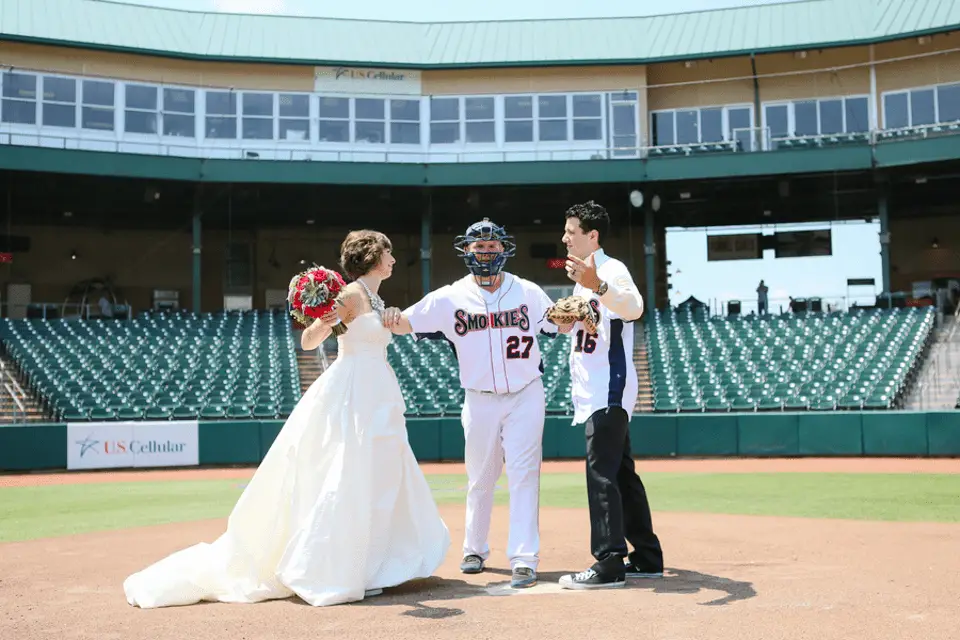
{"type": "Point", "coordinates": [863, 359]}
{"type": "Point", "coordinates": [228, 365]}
{"type": "Point", "coordinates": [237, 365]}
{"type": "Point", "coordinates": [159, 366]}
{"type": "Point", "coordinates": [430, 381]}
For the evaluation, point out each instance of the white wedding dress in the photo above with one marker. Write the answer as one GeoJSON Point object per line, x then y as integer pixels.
{"type": "Point", "coordinates": [338, 505]}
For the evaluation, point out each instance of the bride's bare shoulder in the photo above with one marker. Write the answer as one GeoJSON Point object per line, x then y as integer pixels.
{"type": "Point", "coordinates": [350, 300]}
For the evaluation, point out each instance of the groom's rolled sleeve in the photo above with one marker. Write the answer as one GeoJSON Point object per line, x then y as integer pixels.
{"type": "Point", "coordinates": [622, 297]}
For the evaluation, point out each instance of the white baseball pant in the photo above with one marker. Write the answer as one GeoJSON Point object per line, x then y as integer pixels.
{"type": "Point", "coordinates": [504, 428]}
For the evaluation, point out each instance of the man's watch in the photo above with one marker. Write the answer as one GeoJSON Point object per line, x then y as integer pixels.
{"type": "Point", "coordinates": [602, 289]}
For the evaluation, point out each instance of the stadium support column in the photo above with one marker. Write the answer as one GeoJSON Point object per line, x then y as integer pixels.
{"type": "Point", "coordinates": [196, 251]}
{"type": "Point", "coordinates": [650, 263]}
{"type": "Point", "coordinates": [426, 224]}
{"type": "Point", "coordinates": [882, 207]}
{"type": "Point", "coordinates": [758, 137]}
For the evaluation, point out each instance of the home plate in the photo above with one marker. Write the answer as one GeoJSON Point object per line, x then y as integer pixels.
{"type": "Point", "coordinates": [541, 588]}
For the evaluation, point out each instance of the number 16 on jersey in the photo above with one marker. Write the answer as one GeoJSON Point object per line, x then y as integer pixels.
{"type": "Point", "coordinates": [585, 342]}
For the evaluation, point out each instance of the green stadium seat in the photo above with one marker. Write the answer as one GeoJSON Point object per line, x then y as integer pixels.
{"type": "Point", "coordinates": [129, 413]}
{"type": "Point", "coordinates": [794, 362]}
{"type": "Point", "coordinates": [157, 413]}
{"type": "Point", "coordinates": [155, 364]}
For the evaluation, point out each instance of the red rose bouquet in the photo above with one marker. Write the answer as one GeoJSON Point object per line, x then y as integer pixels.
{"type": "Point", "coordinates": [313, 294]}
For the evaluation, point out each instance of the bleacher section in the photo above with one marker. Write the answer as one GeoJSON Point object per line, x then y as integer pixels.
{"type": "Point", "coordinates": [428, 375]}
{"type": "Point", "coordinates": [235, 365]}
{"type": "Point", "coordinates": [158, 366]}
{"type": "Point", "coordinates": [211, 366]}
{"type": "Point", "coordinates": [864, 359]}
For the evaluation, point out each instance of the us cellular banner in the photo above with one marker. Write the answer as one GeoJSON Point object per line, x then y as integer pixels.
{"type": "Point", "coordinates": [111, 445]}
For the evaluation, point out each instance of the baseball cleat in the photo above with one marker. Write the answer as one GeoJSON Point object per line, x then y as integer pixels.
{"type": "Point", "coordinates": [523, 577]}
{"type": "Point", "coordinates": [632, 571]}
{"type": "Point", "coordinates": [590, 579]}
{"type": "Point", "coordinates": [471, 564]}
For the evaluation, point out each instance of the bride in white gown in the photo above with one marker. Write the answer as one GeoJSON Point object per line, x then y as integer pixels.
{"type": "Point", "coordinates": [338, 508]}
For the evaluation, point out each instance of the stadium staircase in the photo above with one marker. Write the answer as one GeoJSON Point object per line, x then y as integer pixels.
{"type": "Point", "coordinates": [311, 364]}
{"type": "Point", "coordinates": [863, 359]}
{"type": "Point", "coordinates": [17, 404]}
{"type": "Point", "coordinates": [938, 383]}
{"type": "Point", "coordinates": [644, 383]}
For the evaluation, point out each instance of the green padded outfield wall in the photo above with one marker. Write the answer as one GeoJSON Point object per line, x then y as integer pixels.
{"type": "Point", "coordinates": [33, 447]}
{"type": "Point", "coordinates": [844, 433]}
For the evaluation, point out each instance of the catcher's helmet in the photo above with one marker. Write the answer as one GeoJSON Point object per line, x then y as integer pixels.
{"type": "Point", "coordinates": [485, 265]}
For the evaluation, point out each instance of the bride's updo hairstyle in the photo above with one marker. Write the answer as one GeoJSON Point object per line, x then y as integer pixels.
{"type": "Point", "coordinates": [361, 252]}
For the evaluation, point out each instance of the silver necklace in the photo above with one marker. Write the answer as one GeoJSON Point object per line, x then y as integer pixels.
{"type": "Point", "coordinates": [376, 302]}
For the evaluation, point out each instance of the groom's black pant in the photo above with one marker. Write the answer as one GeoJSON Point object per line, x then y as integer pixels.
{"type": "Point", "coordinates": [619, 510]}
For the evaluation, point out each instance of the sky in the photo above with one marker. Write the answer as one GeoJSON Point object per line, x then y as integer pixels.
{"type": "Point", "coordinates": [449, 10]}
{"type": "Point", "coordinates": [856, 247]}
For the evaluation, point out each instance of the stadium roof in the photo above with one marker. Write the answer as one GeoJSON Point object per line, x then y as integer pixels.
{"type": "Point", "coordinates": [114, 26]}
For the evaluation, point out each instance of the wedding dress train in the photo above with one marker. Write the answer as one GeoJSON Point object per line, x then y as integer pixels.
{"type": "Point", "coordinates": [338, 506]}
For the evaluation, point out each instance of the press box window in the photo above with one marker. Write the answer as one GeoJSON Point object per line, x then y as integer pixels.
{"type": "Point", "coordinates": [444, 120]}
{"type": "Point", "coordinates": [59, 102]}
{"type": "Point", "coordinates": [19, 98]}
{"type": "Point", "coordinates": [140, 115]}
{"type": "Point", "coordinates": [480, 125]}
{"type": "Point", "coordinates": [370, 123]}
{"type": "Point", "coordinates": [221, 115]}
{"type": "Point", "coordinates": [334, 122]}
{"type": "Point", "coordinates": [257, 116]}
{"type": "Point", "coordinates": [98, 102]}
{"type": "Point", "coordinates": [587, 117]}
{"type": "Point", "coordinates": [518, 119]}
{"type": "Point", "coordinates": [552, 118]}
{"type": "Point", "coordinates": [178, 112]}
{"type": "Point", "coordinates": [404, 122]}
{"type": "Point", "coordinates": [294, 116]}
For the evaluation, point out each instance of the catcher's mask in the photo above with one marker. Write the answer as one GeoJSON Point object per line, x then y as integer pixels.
{"type": "Point", "coordinates": [485, 266]}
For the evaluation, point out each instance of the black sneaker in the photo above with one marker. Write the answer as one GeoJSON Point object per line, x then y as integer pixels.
{"type": "Point", "coordinates": [633, 571]}
{"type": "Point", "coordinates": [590, 579]}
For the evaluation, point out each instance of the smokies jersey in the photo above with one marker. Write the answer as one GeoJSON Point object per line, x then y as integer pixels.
{"type": "Point", "coordinates": [494, 335]}
{"type": "Point", "coordinates": [601, 364]}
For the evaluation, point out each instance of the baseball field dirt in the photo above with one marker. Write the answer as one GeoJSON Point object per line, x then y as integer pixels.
{"type": "Point", "coordinates": [728, 577]}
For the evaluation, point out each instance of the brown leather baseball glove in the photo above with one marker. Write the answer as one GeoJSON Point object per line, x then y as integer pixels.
{"type": "Point", "coordinates": [572, 309]}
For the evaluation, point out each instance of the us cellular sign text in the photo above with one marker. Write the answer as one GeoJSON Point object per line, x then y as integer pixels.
{"type": "Point", "coordinates": [111, 445]}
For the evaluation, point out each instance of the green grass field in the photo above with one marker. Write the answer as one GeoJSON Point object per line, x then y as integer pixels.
{"type": "Point", "coordinates": [35, 512]}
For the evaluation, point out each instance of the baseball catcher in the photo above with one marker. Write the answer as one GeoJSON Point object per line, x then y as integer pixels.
{"type": "Point", "coordinates": [570, 309]}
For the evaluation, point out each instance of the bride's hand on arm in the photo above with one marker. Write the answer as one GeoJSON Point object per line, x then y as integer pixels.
{"type": "Point", "coordinates": [314, 335]}
{"type": "Point", "coordinates": [398, 323]}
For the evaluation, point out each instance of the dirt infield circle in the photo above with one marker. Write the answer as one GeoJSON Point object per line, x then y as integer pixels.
{"type": "Point", "coordinates": [729, 577]}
